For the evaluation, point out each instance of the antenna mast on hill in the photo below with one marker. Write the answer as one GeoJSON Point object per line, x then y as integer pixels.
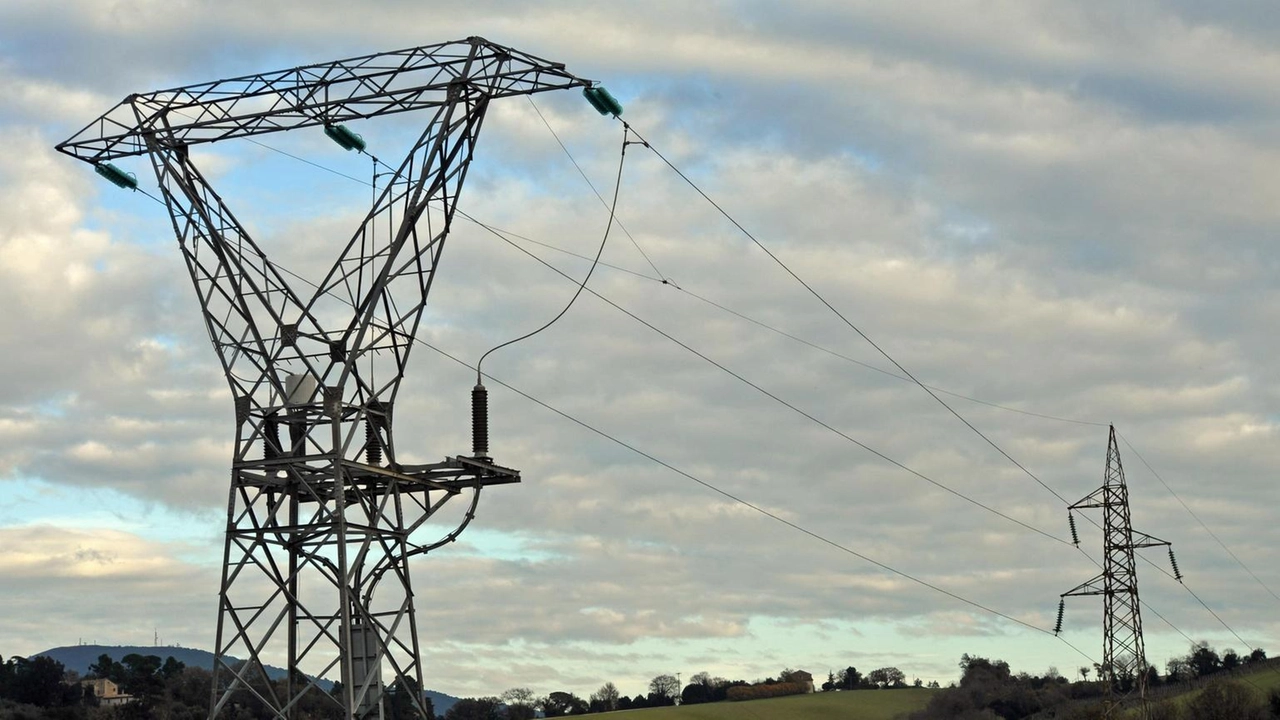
{"type": "Point", "coordinates": [324, 514]}
{"type": "Point", "coordinates": [1124, 663]}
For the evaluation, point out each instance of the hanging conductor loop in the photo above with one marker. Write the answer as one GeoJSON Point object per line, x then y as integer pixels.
{"type": "Point", "coordinates": [1062, 606]}
{"type": "Point", "coordinates": [595, 262]}
{"type": "Point", "coordinates": [1075, 536]}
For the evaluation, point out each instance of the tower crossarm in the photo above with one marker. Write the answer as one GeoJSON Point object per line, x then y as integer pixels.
{"type": "Point", "coordinates": [1143, 540]}
{"type": "Point", "coordinates": [316, 95]}
{"type": "Point", "coordinates": [1095, 499]}
{"type": "Point", "coordinates": [1096, 586]}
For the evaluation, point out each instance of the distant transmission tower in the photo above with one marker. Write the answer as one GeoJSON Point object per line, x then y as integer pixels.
{"type": "Point", "coordinates": [324, 514]}
{"type": "Point", "coordinates": [1124, 662]}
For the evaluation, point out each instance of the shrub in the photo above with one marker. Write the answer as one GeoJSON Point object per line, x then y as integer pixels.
{"type": "Point", "coordinates": [759, 692]}
{"type": "Point", "coordinates": [1227, 701]}
{"type": "Point", "coordinates": [1165, 710]}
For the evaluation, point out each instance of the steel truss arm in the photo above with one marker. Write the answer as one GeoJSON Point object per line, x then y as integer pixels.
{"type": "Point", "coordinates": [314, 95]}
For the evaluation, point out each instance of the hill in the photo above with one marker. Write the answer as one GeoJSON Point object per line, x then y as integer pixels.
{"type": "Point", "coordinates": [80, 657]}
{"type": "Point", "coordinates": [1259, 679]}
{"type": "Point", "coordinates": [851, 705]}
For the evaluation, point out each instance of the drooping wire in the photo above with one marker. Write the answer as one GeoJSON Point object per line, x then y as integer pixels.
{"type": "Point", "coordinates": [1094, 561]}
{"type": "Point", "coordinates": [1075, 538]}
{"type": "Point", "coordinates": [771, 328]}
{"type": "Point", "coordinates": [735, 498]}
{"type": "Point", "coordinates": [613, 207]}
{"type": "Point", "coordinates": [871, 342]}
{"type": "Point", "coordinates": [539, 243]}
{"type": "Point", "coordinates": [869, 449]}
{"type": "Point", "coordinates": [910, 377]}
{"type": "Point", "coordinates": [840, 315]}
{"type": "Point", "coordinates": [708, 485]}
{"type": "Point", "coordinates": [591, 185]}
{"type": "Point", "coordinates": [712, 487]}
{"type": "Point", "coordinates": [1197, 519]}
{"type": "Point", "coordinates": [784, 402]}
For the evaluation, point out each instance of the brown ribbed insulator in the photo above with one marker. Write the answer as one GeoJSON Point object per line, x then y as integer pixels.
{"type": "Point", "coordinates": [480, 421]}
{"type": "Point", "coordinates": [372, 443]}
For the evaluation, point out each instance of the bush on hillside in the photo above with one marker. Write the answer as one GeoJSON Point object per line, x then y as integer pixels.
{"type": "Point", "coordinates": [1227, 700]}
{"type": "Point", "coordinates": [759, 692]}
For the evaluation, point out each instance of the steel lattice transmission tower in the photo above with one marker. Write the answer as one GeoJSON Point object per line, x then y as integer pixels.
{"type": "Point", "coordinates": [324, 516]}
{"type": "Point", "coordinates": [1124, 662]}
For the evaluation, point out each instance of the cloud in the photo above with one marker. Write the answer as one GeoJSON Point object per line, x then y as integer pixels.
{"type": "Point", "coordinates": [1066, 211]}
{"type": "Point", "coordinates": [90, 583]}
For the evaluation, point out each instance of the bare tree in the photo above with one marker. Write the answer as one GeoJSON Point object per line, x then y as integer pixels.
{"type": "Point", "coordinates": [666, 687]}
{"type": "Point", "coordinates": [521, 703]}
{"type": "Point", "coordinates": [607, 696]}
{"type": "Point", "coordinates": [887, 677]}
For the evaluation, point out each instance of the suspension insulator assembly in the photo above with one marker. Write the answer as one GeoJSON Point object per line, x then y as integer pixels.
{"type": "Point", "coordinates": [480, 421]}
{"type": "Point", "coordinates": [118, 177]}
{"type": "Point", "coordinates": [602, 100]}
{"type": "Point", "coordinates": [1177, 574]}
{"type": "Point", "coordinates": [346, 139]}
{"type": "Point", "coordinates": [1075, 537]}
{"type": "Point", "coordinates": [1062, 606]}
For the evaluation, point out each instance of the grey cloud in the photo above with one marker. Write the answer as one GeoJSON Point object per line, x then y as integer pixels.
{"type": "Point", "coordinates": [1004, 233]}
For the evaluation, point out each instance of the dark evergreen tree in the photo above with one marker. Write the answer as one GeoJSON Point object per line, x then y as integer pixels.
{"type": "Point", "coordinates": [485, 708]}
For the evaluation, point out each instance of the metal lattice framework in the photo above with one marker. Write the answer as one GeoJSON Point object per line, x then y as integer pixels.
{"type": "Point", "coordinates": [1124, 661]}
{"type": "Point", "coordinates": [323, 520]}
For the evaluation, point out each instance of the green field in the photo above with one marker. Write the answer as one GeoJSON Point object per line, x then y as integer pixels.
{"type": "Point", "coordinates": [854, 705]}
{"type": "Point", "coordinates": [1260, 683]}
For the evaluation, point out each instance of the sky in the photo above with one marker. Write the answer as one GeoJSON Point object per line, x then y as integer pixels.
{"type": "Point", "coordinates": [1059, 215]}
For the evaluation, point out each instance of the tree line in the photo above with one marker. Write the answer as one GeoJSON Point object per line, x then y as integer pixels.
{"type": "Point", "coordinates": [40, 687]}
{"type": "Point", "coordinates": [989, 689]}
{"type": "Point", "coordinates": [665, 690]}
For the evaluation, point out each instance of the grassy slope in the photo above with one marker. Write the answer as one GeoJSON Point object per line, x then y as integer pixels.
{"type": "Point", "coordinates": [1262, 681]}
{"type": "Point", "coordinates": [855, 705]}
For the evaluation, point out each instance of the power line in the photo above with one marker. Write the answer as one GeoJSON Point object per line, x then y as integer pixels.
{"type": "Point", "coordinates": [887, 356]}
{"type": "Point", "coordinates": [613, 207]}
{"type": "Point", "coordinates": [710, 486]}
{"type": "Point", "coordinates": [796, 409]}
{"type": "Point", "coordinates": [846, 320]}
{"type": "Point", "coordinates": [793, 407]}
{"type": "Point", "coordinates": [774, 329]}
{"type": "Point", "coordinates": [890, 460]}
{"type": "Point", "coordinates": [1197, 518]}
{"type": "Point", "coordinates": [592, 185]}
{"type": "Point", "coordinates": [908, 377]}
{"type": "Point", "coordinates": [735, 498]}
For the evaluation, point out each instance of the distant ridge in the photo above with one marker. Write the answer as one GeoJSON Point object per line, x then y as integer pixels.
{"type": "Point", "coordinates": [80, 657]}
